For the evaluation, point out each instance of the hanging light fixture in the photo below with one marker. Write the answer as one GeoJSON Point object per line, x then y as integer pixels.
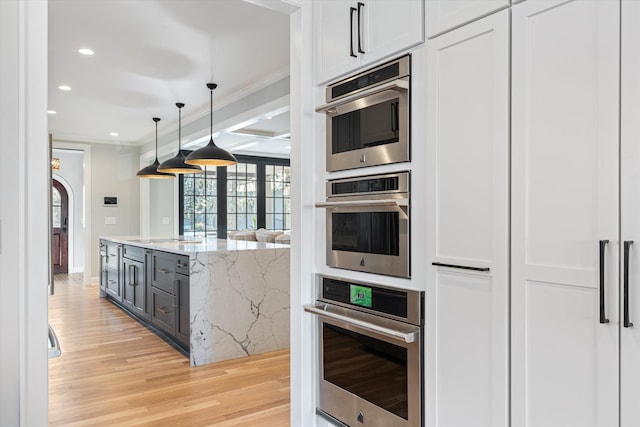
{"type": "Point", "coordinates": [211, 154]}
{"type": "Point", "coordinates": [151, 171]}
{"type": "Point", "coordinates": [176, 164]}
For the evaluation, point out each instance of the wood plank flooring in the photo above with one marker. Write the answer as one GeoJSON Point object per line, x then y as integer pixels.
{"type": "Point", "coordinates": [113, 371]}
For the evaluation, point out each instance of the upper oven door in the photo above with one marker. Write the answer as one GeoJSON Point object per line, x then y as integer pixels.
{"type": "Point", "coordinates": [372, 236]}
{"type": "Point", "coordinates": [370, 128]}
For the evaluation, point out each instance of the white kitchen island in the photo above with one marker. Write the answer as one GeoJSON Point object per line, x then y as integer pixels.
{"type": "Point", "coordinates": [238, 294]}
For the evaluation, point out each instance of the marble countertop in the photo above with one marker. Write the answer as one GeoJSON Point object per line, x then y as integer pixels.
{"type": "Point", "coordinates": [192, 246]}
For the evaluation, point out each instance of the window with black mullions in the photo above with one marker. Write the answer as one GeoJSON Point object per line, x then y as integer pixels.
{"type": "Point", "coordinates": [256, 195]}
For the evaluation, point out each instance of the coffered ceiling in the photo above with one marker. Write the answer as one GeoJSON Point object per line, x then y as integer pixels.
{"type": "Point", "coordinates": [150, 54]}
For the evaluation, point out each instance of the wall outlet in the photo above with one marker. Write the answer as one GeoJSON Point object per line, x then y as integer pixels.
{"type": "Point", "coordinates": [109, 220]}
{"type": "Point", "coordinates": [165, 220]}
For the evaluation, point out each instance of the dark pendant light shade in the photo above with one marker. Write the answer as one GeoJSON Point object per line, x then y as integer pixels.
{"type": "Point", "coordinates": [211, 154]}
{"type": "Point", "coordinates": [176, 164]}
{"type": "Point", "coordinates": [151, 171]}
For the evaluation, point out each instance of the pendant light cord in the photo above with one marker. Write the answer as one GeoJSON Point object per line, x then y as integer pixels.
{"type": "Point", "coordinates": [179, 130]}
{"type": "Point", "coordinates": [156, 140]}
{"type": "Point", "coordinates": [211, 113]}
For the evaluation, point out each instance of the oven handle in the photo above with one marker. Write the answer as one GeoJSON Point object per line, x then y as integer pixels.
{"type": "Point", "coordinates": [407, 337]}
{"type": "Point", "coordinates": [363, 203]}
{"type": "Point", "coordinates": [394, 84]}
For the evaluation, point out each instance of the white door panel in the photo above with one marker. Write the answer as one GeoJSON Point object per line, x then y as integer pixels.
{"type": "Point", "coordinates": [630, 212]}
{"type": "Point", "coordinates": [565, 110]}
{"type": "Point", "coordinates": [468, 223]}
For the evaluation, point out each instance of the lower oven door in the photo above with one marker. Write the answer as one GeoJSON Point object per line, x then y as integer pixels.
{"type": "Point", "coordinates": [369, 238]}
{"type": "Point", "coordinates": [369, 374]}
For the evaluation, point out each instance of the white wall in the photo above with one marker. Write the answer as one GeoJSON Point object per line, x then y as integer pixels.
{"type": "Point", "coordinates": [24, 189]}
{"type": "Point", "coordinates": [113, 173]}
{"type": "Point", "coordinates": [71, 172]}
{"type": "Point", "coordinates": [162, 205]}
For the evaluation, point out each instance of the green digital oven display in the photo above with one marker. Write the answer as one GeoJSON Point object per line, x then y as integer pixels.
{"type": "Point", "coordinates": [360, 295]}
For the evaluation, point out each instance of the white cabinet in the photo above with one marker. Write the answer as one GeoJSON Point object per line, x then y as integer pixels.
{"type": "Point", "coordinates": [350, 34]}
{"type": "Point", "coordinates": [565, 201]}
{"type": "Point", "coordinates": [445, 15]}
{"type": "Point", "coordinates": [468, 226]}
{"type": "Point", "coordinates": [630, 215]}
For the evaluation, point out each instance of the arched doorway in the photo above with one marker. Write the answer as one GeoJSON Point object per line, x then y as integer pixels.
{"type": "Point", "coordinates": [60, 220]}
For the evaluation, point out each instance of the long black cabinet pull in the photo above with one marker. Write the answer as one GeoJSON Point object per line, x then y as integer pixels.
{"type": "Point", "coordinates": [627, 247]}
{"type": "Point", "coordinates": [462, 267]}
{"type": "Point", "coordinates": [603, 316]}
{"type": "Point", "coordinates": [352, 11]}
{"type": "Point", "coordinates": [360, 6]}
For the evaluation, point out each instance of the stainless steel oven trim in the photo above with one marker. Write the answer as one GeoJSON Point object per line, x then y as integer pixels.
{"type": "Point", "coordinates": [331, 108]}
{"type": "Point", "coordinates": [404, 70]}
{"type": "Point", "coordinates": [414, 300]}
{"type": "Point", "coordinates": [399, 202]}
{"type": "Point", "coordinates": [403, 186]}
{"type": "Point", "coordinates": [332, 398]}
{"type": "Point", "coordinates": [391, 329]}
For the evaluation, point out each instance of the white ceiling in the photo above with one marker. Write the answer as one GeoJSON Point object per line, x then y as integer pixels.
{"type": "Point", "coordinates": [150, 54]}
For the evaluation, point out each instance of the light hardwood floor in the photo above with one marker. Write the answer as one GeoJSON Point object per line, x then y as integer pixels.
{"type": "Point", "coordinates": [115, 372]}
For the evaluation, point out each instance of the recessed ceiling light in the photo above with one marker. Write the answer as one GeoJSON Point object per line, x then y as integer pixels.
{"type": "Point", "coordinates": [85, 51]}
{"type": "Point", "coordinates": [114, 134]}
{"type": "Point", "coordinates": [64, 87]}
{"type": "Point", "coordinates": [51, 111]}
{"type": "Point", "coordinates": [288, 147]}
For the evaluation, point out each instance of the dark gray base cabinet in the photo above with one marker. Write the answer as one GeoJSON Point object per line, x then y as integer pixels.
{"type": "Point", "coordinates": [110, 269]}
{"type": "Point", "coordinates": [134, 281]}
{"type": "Point", "coordinates": [170, 295]}
{"type": "Point", "coordinates": [151, 285]}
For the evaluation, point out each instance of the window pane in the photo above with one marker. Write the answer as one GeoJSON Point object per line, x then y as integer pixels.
{"type": "Point", "coordinates": [187, 204]}
{"type": "Point", "coordinates": [212, 205]}
{"type": "Point", "coordinates": [269, 221]}
{"type": "Point", "coordinates": [199, 222]}
{"type": "Point", "coordinates": [57, 213]}
{"type": "Point", "coordinates": [188, 221]}
{"type": "Point", "coordinates": [212, 223]}
{"type": "Point", "coordinates": [231, 223]}
{"type": "Point", "coordinates": [188, 185]}
{"type": "Point", "coordinates": [269, 189]}
{"type": "Point", "coordinates": [56, 197]}
{"type": "Point", "coordinates": [252, 205]}
{"type": "Point", "coordinates": [212, 187]}
{"type": "Point", "coordinates": [200, 204]}
{"type": "Point", "coordinates": [252, 221]}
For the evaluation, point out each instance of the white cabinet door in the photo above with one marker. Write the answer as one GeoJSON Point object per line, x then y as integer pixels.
{"type": "Point", "coordinates": [630, 214]}
{"type": "Point", "coordinates": [468, 223]}
{"type": "Point", "coordinates": [371, 30]}
{"type": "Point", "coordinates": [565, 147]}
{"type": "Point", "coordinates": [393, 26]}
{"type": "Point", "coordinates": [445, 15]}
{"type": "Point", "coordinates": [335, 38]}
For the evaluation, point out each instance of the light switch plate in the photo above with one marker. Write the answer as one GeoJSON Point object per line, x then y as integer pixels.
{"type": "Point", "coordinates": [110, 220]}
{"type": "Point", "coordinates": [165, 220]}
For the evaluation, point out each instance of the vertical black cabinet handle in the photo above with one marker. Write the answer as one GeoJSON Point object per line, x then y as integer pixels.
{"type": "Point", "coordinates": [394, 121]}
{"type": "Point", "coordinates": [352, 11]}
{"type": "Point", "coordinates": [360, 6]}
{"type": "Point", "coordinates": [625, 302]}
{"type": "Point", "coordinates": [603, 316]}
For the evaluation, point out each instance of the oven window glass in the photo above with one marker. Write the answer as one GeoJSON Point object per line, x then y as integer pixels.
{"type": "Point", "coordinates": [366, 127]}
{"type": "Point", "coordinates": [372, 369]}
{"type": "Point", "coordinates": [366, 232]}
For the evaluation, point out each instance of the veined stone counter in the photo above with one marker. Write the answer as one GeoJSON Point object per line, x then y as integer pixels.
{"type": "Point", "coordinates": [238, 295]}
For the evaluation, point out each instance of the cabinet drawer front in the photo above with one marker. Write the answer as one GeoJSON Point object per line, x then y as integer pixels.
{"type": "Point", "coordinates": [182, 264]}
{"type": "Point", "coordinates": [164, 271]}
{"type": "Point", "coordinates": [164, 312]}
{"type": "Point", "coordinates": [134, 252]}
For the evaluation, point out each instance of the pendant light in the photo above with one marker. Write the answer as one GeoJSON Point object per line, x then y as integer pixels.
{"type": "Point", "coordinates": [151, 171]}
{"type": "Point", "coordinates": [211, 154]}
{"type": "Point", "coordinates": [176, 164]}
